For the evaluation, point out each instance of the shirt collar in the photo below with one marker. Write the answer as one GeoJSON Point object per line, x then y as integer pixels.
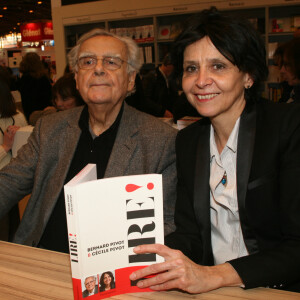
{"type": "Point", "coordinates": [84, 123]}
{"type": "Point", "coordinates": [231, 143]}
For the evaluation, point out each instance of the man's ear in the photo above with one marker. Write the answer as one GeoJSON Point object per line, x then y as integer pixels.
{"type": "Point", "coordinates": [75, 77]}
{"type": "Point", "coordinates": [131, 81]}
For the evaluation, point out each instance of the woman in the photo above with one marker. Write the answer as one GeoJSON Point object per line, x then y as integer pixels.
{"type": "Point", "coordinates": [64, 96]}
{"type": "Point", "coordinates": [10, 121]}
{"type": "Point", "coordinates": [34, 85]}
{"type": "Point", "coordinates": [238, 201]}
{"type": "Point", "coordinates": [107, 281]}
{"type": "Point", "coordinates": [290, 68]}
{"type": "Point", "coordinates": [278, 61]}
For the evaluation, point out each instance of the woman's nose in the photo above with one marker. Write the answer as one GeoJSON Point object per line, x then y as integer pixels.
{"type": "Point", "coordinates": [203, 78]}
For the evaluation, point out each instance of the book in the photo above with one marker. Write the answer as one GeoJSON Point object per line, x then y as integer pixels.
{"type": "Point", "coordinates": [106, 219]}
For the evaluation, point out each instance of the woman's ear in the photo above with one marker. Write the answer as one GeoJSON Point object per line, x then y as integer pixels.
{"type": "Point", "coordinates": [248, 81]}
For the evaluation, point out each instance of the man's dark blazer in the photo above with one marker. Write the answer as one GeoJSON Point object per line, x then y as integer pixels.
{"type": "Point", "coordinates": [268, 190]}
{"type": "Point", "coordinates": [85, 293]}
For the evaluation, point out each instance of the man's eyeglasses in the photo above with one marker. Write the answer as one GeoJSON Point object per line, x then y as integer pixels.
{"type": "Point", "coordinates": [111, 63]}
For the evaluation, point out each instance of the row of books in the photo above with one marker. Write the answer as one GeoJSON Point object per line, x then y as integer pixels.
{"type": "Point", "coordinates": [141, 34]}
{"type": "Point", "coordinates": [275, 91]}
{"type": "Point", "coordinates": [284, 24]}
{"type": "Point", "coordinates": [146, 55]}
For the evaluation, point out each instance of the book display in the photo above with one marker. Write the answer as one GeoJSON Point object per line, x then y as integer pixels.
{"type": "Point", "coordinates": [155, 25]}
{"type": "Point", "coordinates": [106, 219]}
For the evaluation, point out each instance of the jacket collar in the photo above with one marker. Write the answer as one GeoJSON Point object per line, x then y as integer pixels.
{"type": "Point", "coordinates": [125, 143]}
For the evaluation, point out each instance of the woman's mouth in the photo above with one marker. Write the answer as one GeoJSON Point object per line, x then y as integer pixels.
{"type": "Point", "coordinates": [206, 96]}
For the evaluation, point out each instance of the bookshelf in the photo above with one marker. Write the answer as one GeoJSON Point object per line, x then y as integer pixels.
{"type": "Point", "coordinates": [276, 20]}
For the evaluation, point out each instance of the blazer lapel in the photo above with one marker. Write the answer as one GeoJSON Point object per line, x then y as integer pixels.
{"type": "Point", "coordinates": [246, 141]}
{"type": "Point", "coordinates": [202, 190]}
{"type": "Point", "coordinates": [124, 146]}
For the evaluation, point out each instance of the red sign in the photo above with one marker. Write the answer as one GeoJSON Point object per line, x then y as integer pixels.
{"type": "Point", "coordinates": [47, 31]}
{"type": "Point", "coordinates": [33, 32]}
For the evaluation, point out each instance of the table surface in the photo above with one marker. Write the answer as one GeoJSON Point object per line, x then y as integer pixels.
{"type": "Point", "coordinates": [35, 274]}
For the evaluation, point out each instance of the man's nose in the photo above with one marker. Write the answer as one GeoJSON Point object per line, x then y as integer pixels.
{"type": "Point", "coordinates": [99, 69]}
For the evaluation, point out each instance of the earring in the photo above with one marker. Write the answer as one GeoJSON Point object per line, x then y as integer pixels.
{"type": "Point", "coordinates": [248, 87]}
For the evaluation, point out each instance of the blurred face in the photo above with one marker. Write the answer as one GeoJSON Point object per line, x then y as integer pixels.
{"type": "Point", "coordinates": [212, 84]}
{"type": "Point", "coordinates": [90, 284]}
{"type": "Point", "coordinates": [288, 74]}
{"type": "Point", "coordinates": [63, 104]}
{"type": "Point", "coordinates": [107, 279]}
{"type": "Point", "coordinates": [100, 86]}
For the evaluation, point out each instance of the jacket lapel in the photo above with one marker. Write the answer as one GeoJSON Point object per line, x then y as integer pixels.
{"type": "Point", "coordinates": [124, 146]}
{"type": "Point", "coordinates": [202, 190]}
{"type": "Point", "coordinates": [246, 141]}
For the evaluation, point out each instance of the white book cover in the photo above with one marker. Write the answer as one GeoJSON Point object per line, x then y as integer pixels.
{"type": "Point", "coordinates": [106, 219]}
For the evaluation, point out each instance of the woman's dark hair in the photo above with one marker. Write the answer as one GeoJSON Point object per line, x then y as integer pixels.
{"type": "Point", "coordinates": [32, 64]}
{"type": "Point", "coordinates": [112, 283]}
{"type": "Point", "coordinates": [7, 102]}
{"type": "Point", "coordinates": [235, 39]}
{"type": "Point", "coordinates": [65, 86]}
{"type": "Point", "coordinates": [291, 56]}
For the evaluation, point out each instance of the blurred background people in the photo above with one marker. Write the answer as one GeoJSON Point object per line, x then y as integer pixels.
{"type": "Point", "coordinates": [278, 61]}
{"type": "Point", "coordinates": [10, 121]}
{"type": "Point", "coordinates": [64, 96]}
{"type": "Point", "coordinates": [290, 68]}
{"type": "Point", "coordinates": [107, 281]}
{"type": "Point", "coordinates": [34, 84]}
{"type": "Point", "coordinates": [158, 95]}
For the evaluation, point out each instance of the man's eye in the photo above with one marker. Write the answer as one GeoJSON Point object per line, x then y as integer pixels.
{"type": "Point", "coordinates": [87, 61]}
{"type": "Point", "coordinates": [111, 62]}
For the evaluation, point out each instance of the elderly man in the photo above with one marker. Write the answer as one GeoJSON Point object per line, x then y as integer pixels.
{"type": "Point", "coordinates": [107, 132]}
{"type": "Point", "coordinates": [91, 287]}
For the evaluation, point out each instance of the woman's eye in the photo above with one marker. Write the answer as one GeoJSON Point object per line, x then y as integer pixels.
{"type": "Point", "coordinates": [218, 67]}
{"type": "Point", "coordinates": [191, 69]}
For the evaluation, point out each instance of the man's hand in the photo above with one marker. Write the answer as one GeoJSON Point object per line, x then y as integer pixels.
{"type": "Point", "coordinates": [179, 272]}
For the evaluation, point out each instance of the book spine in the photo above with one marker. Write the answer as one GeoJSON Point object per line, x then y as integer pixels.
{"type": "Point", "coordinates": [73, 234]}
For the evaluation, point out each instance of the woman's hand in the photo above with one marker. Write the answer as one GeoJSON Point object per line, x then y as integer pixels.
{"type": "Point", "coordinates": [8, 137]}
{"type": "Point", "coordinates": [179, 272]}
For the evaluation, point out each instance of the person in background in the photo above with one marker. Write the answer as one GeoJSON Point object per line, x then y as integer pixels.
{"type": "Point", "coordinates": [290, 68]}
{"type": "Point", "coordinates": [90, 287]}
{"type": "Point", "coordinates": [64, 96]}
{"type": "Point", "coordinates": [158, 96]}
{"type": "Point", "coordinates": [238, 198]}
{"type": "Point", "coordinates": [107, 281]}
{"type": "Point", "coordinates": [34, 84]}
{"type": "Point", "coordinates": [10, 121]}
{"type": "Point", "coordinates": [278, 61]}
{"type": "Point", "coordinates": [105, 131]}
